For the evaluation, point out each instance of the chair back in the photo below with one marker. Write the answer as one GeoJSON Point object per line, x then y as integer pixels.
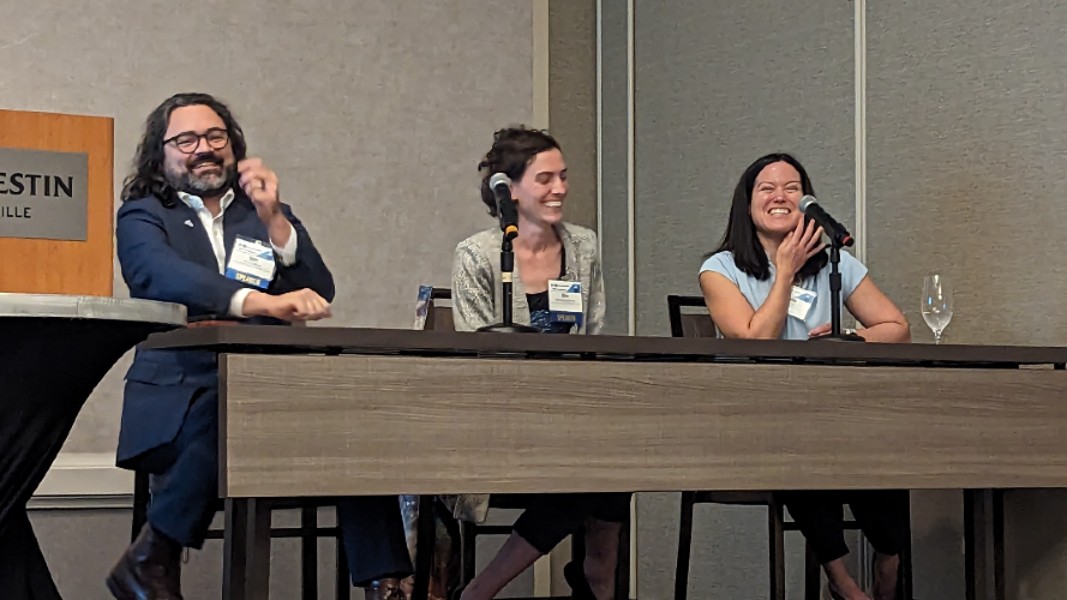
{"type": "Point", "coordinates": [439, 311]}
{"type": "Point", "coordinates": [689, 317]}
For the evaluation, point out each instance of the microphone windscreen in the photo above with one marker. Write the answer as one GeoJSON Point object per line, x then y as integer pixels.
{"type": "Point", "coordinates": [497, 179]}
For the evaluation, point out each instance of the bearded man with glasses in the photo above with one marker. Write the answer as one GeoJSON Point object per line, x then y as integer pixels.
{"type": "Point", "coordinates": [202, 225]}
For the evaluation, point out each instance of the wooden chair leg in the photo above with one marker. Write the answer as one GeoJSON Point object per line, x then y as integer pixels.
{"type": "Point", "coordinates": [776, 545]}
{"type": "Point", "coordinates": [998, 544]}
{"type": "Point", "coordinates": [685, 545]}
{"type": "Point", "coordinates": [342, 579]}
{"type": "Point", "coordinates": [309, 553]}
{"type": "Point", "coordinates": [468, 542]}
{"type": "Point", "coordinates": [904, 581]}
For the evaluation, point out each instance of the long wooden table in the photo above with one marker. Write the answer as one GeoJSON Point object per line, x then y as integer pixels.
{"type": "Point", "coordinates": [337, 412]}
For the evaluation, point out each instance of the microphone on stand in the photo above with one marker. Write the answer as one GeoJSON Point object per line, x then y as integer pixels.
{"type": "Point", "coordinates": [839, 237]}
{"type": "Point", "coordinates": [834, 230]}
{"type": "Point", "coordinates": [500, 184]}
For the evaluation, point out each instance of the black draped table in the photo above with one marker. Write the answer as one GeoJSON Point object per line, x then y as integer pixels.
{"type": "Point", "coordinates": [54, 350]}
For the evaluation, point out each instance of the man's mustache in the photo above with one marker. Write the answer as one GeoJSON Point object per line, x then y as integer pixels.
{"type": "Point", "coordinates": [206, 158]}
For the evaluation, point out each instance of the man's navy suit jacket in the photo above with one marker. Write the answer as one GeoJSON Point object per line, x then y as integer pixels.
{"type": "Point", "coordinates": [166, 255]}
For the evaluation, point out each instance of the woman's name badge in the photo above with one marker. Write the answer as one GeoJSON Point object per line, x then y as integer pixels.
{"type": "Point", "coordinates": [251, 262]}
{"type": "Point", "coordinates": [565, 302]}
{"type": "Point", "coordinates": [800, 301]}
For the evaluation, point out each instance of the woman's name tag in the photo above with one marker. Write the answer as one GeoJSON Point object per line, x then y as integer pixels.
{"type": "Point", "coordinates": [800, 301]}
{"type": "Point", "coordinates": [565, 302]}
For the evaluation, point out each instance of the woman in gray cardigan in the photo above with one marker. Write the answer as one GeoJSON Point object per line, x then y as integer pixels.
{"type": "Point", "coordinates": [546, 249]}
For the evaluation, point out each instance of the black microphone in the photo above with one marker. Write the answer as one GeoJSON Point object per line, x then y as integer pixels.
{"type": "Point", "coordinates": [509, 215]}
{"type": "Point", "coordinates": [834, 230]}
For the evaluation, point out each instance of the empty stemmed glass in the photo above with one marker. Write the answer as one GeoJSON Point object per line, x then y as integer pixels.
{"type": "Point", "coordinates": [937, 304]}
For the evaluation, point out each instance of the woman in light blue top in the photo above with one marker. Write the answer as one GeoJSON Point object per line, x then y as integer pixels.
{"type": "Point", "coordinates": [769, 279]}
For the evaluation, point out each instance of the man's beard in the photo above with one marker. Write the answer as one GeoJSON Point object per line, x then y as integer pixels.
{"type": "Point", "coordinates": [207, 184]}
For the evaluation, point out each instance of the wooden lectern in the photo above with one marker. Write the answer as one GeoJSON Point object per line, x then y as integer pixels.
{"type": "Point", "coordinates": [46, 266]}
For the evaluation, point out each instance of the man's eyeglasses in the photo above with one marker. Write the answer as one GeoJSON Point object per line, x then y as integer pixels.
{"type": "Point", "coordinates": [187, 141]}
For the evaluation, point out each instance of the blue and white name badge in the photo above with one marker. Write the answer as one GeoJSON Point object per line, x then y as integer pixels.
{"type": "Point", "coordinates": [422, 306]}
{"type": "Point", "coordinates": [565, 302]}
{"type": "Point", "coordinates": [800, 301]}
{"type": "Point", "coordinates": [251, 262]}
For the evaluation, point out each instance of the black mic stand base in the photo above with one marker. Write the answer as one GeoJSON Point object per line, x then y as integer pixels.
{"type": "Point", "coordinates": [505, 328]}
{"type": "Point", "coordinates": [841, 337]}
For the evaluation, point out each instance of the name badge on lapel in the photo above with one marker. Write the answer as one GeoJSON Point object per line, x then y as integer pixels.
{"type": "Point", "coordinates": [800, 301]}
{"type": "Point", "coordinates": [251, 262]}
{"type": "Point", "coordinates": [565, 302]}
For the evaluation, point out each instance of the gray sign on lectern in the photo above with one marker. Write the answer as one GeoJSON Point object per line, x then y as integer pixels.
{"type": "Point", "coordinates": [43, 194]}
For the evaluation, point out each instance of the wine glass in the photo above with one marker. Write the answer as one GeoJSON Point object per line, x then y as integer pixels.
{"type": "Point", "coordinates": [937, 304]}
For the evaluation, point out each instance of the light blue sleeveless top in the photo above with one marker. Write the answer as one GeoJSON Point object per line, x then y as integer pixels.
{"type": "Point", "coordinates": [756, 291]}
